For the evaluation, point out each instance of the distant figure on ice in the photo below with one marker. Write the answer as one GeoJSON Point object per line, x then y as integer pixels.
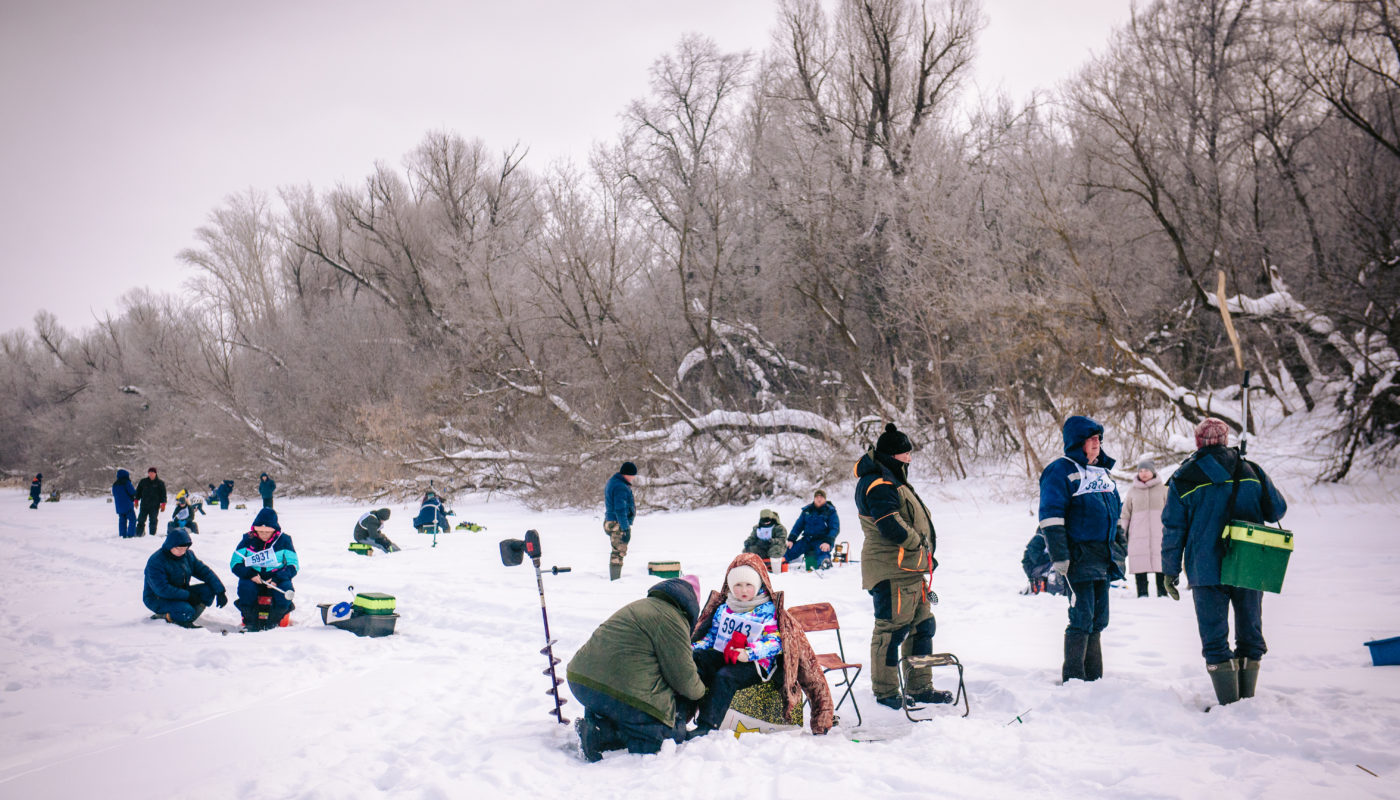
{"type": "Point", "coordinates": [151, 493]}
{"type": "Point", "coordinates": [815, 531]}
{"type": "Point", "coordinates": [169, 593]}
{"type": "Point", "coordinates": [431, 514]}
{"type": "Point", "coordinates": [368, 530]}
{"type": "Point", "coordinates": [896, 568]}
{"type": "Point", "coordinates": [635, 676]}
{"type": "Point", "coordinates": [1199, 504]}
{"type": "Point", "coordinates": [745, 637]}
{"type": "Point", "coordinates": [183, 515]}
{"type": "Point", "coordinates": [221, 494]}
{"type": "Point", "coordinates": [619, 510]}
{"type": "Point", "coordinates": [1079, 510]}
{"type": "Point", "coordinates": [1036, 563]}
{"type": "Point", "coordinates": [1142, 519]}
{"type": "Point", "coordinates": [36, 487]}
{"type": "Point", "coordinates": [265, 562]}
{"type": "Point", "coordinates": [124, 501]}
{"type": "Point", "coordinates": [768, 538]}
{"type": "Point", "coordinates": [266, 486]}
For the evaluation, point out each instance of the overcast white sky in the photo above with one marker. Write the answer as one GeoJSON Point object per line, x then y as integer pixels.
{"type": "Point", "coordinates": [122, 124]}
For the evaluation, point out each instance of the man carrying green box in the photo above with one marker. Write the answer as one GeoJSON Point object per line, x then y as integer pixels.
{"type": "Point", "coordinates": [1199, 506]}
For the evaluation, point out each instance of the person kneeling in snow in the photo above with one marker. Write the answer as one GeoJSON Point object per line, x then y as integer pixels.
{"type": "Point", "coordinates": [183, 516]}
{"type": "Point", "coordinates": [168, 593]}
{"type": "Point", "coordinates": [634, 675]}
{"type": "Point", "coordinates": [746, 637]}
{"type": "Point", "coordinates": [265, 562]}
{"type": "Point", "coordinates": [367, 530]}
{"type": "Point", "coordinates": [431, 513]}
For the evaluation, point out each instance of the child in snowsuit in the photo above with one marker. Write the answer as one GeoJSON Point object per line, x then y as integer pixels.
{"type": "Point", "coordinates": [183, 515]}
{"type": "Point", "coordinates": [431, 513]}
{"type": "Point", "coordinates": [634, 675]}
{"type": "Point", "coordinates": [36, 487]}
{"type": "Point", "coordinates": [124, 500]}
{"type": "Point", "coordinates": [168, 592]}
{"type": "Point", "coordinates": [368, 530]}
{"type": "Point", "coordinates": [768, 538]}
{"type": "Point", "coordinates": [774, 647]}
{"type": "Point", "coordinates": [265, 562]}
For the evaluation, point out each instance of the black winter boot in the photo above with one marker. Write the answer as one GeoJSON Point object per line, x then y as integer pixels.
{"type": "Point", "coordinates": [1075, 644]}
{"type": "Point", "coordinates": [1093, 659]}
{"type": "Point", "coordinates": [1225, 679]}
{"type": "Point", "coordinates": [1161, 585]}
{"type": "Point", "coordinates": [1142, 583]}
{"type": "Point", "coordinates": [933, 696]}
{"type": "Point", "coordinates": [614, 571]}
{"type": "Point", "coordinates": [1249, 676]}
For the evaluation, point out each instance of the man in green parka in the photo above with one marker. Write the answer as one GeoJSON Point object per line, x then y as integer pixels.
{"type": "Point", "coordinates": [635, 676]}
{"type": "Point", "coordinates": [896, 567]}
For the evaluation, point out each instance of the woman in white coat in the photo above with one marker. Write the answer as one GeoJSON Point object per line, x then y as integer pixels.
{"type": "Point", "coordinates": [1142, 517]}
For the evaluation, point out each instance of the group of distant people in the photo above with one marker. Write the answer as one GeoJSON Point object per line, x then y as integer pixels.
{"type": "Point", "coordinates": [139, 507]}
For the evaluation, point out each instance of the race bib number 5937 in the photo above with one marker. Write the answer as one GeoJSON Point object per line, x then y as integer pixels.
{"type": "Point", "coordinates": [263, 559]}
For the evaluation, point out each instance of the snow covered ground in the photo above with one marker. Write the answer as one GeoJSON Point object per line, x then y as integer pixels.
{"type": "Point", "coordinates": [98, 700]}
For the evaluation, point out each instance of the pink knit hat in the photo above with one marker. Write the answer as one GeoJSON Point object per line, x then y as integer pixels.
{"type": "Point", "coordinates": [694, 581]}
{"type": "Point", "coordinates": [1212, 431]}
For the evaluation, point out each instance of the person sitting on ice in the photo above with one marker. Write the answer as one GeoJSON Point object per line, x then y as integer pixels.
{"type": "Point", "coordinates": [183, 516]}
{"type": "Point", "coordinates": [773, 647]}
{"type": "Point", "coordinates": [815, 531]}
{"type": "Point", "coordinates": [635, 677]}
{"type": "Point", "coordinates": [368, 530]}
{"type": "Point", "coordinates": [431, 513]}
{"type": "Point", "coordinates": [265, 562]}
{"type": "Point", "coordinates": [768, 537]}
{"type": "Point", "coordinates": [168, 592]}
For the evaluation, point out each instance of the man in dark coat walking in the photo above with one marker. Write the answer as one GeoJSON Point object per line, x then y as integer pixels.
{"type": "Point", "coordinates": [620, 508]}
{"type": "Point", "coordinates": [36, 488]}
{"type": "Point", "coordinates": [1197, 511]}
{"type": "Point", "coordinates": [1079, 510]}
{"type": "Point", "coordinates": [266, 486]}
{"type": "Point", "coordinates": [168, 592]}
{"type": "Point", "coordinates": [150, 493]}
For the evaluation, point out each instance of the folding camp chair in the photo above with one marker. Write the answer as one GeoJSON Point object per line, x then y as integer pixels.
{"type": "Point", "coordinates": [841, 553]}
{"type": "Point", "coordinates": [935, 660]}
{"type": "Point", "coordinates": [817, 617]}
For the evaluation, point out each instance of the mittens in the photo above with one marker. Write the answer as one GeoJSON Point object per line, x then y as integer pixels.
{"type": "Point", "coordinates": [1169, 583]}
{"type": "Point", "coordinates": [737, 644]}
{"type": "Point", "coordinates": [221, 599]}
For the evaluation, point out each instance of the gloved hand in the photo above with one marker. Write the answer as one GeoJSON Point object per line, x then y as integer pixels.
{"type": "Point", "coordinates": [221, 599]}
{"type": "Point", "coordinates": [626, 535]}
{"type": "Point", "coordinates": [1169, 583]}
{"type": "Point", "coordinates": [737, 644]}
{"type": "Point", "coordinates": [1061, 568]}
{"type": "Point", "coordinates": [162, 507]}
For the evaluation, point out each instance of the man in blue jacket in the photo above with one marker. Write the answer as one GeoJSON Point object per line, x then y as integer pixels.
{"type": "Point", "coordinates": [168, 592]}
{"type": "Point", "coordinates": [619, 511]}
{"type": "Point", "coordinates": [1079, 508]}
{"type": "Point", "coordinates": [1197, 510]}
{"type": "Point", "coordinates": [815, 532]}
{"type": "Point", "coordinates": [266, 486]}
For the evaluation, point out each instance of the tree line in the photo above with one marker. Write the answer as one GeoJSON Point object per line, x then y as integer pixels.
{"type": "Point", "coordinates": [777, 253]}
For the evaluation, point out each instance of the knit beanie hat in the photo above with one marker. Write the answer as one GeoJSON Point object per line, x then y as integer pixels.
{"type": "Point", "coordinates": [266, 518]}
{"type": "Point", "coordinates": [744, 574]}
{"type": "Point", "coordinates": [694, 581]}
{"type": "Point", "coordinates": [1212, 430]}
{"type": "Point", "coordinates": [628, 468]}
{"type": "Point", "coordinates": [1148, 464]}
{"type": "Point", "coordinates": [893, 442]}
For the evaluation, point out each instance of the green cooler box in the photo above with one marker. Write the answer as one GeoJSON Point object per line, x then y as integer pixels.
{"type": "Point", "coordinates": [373, 603]}
{"type": "Point", "coordinates": [1257, 558]}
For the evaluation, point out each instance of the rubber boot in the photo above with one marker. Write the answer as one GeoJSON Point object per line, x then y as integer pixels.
{"type": "Point", "coordinates": [1225, 678]}
{"type": "Point", "coordinates": [1141, 584]}
{"type": "Point", "coordinates": [1249, 676]}
{"type": "Point", "coordinates": [614, 571]}
{"type": "Point", "coordinates": [1161, 585]}
{"type": "Point", "coordinates": [1093, 659]}
{"type": "Point", "coordinates": [1075, 644]}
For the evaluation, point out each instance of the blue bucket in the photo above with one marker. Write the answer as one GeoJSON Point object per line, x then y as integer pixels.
{"type": "Point", "coordinates": [1385, 652]}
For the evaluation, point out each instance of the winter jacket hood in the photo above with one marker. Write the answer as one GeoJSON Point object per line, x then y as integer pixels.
{"type": "Point", "coordinates": [122, 477]}
{"type": "Point", "coordinates": [382, 513]}
{"type": "Point", "coordinates": [1076, 431]}
{"type": "Point", "coordinates": [678, 593]}
{"type": "Point", "coordinates": [176, 537]}
{"type": "Point", "coordinates": [801, 673]}
{"type": "Point", "coordinates": [266, 518]}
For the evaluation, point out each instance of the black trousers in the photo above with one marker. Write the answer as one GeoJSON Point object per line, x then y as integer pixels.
{"type": "Point", "coordinates": [722, 681]}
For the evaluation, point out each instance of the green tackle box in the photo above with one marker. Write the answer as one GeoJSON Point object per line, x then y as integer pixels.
{"type": "Point", "coordinates": [664, 569]}
{"type": "Point", "coordinates": [361, 548]}
{"type": "Point", "coordinates": [1256, 557]}
{"type": "Point", "coordinates": [373, 603]}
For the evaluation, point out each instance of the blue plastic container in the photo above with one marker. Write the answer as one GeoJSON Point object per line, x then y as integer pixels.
{"type": "Point", "coordinates": [1385, 652]}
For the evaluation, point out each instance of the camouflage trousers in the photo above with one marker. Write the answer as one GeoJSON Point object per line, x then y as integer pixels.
{"type": "Point", "coordinates": [904, 626]}
{"type": "Point", "coordinates": [619, 537]}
